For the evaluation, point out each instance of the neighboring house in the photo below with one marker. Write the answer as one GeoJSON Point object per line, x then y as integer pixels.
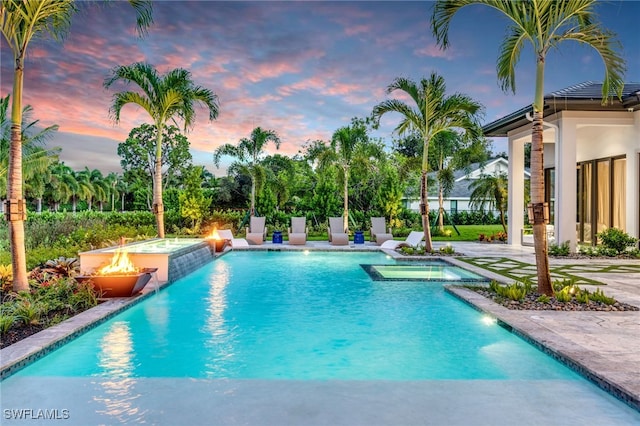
{"type": "Point", "coordinates": [460, 196]}
{"type": "Point", "coordinates": [591, 160]}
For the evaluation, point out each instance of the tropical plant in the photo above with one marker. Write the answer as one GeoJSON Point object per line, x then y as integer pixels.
{"type": "Point", "coordinates": [35, 159]}
{"type": "Point", "coordinates": [193, 203]}
{"type": "Point", "coordinates": [432, 113]}
{"type": "Point", "coordinates": [349, 144]}
{"type": "Point", "coordinates": [248, 154]}
{"type": "Point", "coordinates": [164, 97]}
{"type": "Point", "coordinates": [616, 239]}
{"type": "Point", "coordinates": [490, 191]}
{"type": "Point", "coordinates": [20, 22]}
{"type": "Point", "coordinates": [544, 24]}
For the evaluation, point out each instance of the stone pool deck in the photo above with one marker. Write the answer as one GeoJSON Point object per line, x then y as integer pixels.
{"type": "Point", "coordinates": [604, 346]}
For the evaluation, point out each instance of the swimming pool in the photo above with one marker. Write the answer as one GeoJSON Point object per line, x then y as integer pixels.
{"type": "Point", "coordinates": [272, 338]}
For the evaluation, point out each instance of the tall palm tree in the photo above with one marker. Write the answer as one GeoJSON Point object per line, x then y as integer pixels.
{"type": "Point", "coordinates": [490, 191]}
{"type": "Point", "coordinates": [432, 113]}
{"type": "Point", "coordinates": [544, 24]}
{"type": "Point", "coordinates": [164, 97]}
{"type": "Point", "coordinates": [20, 22]}
{"type": "Point", "coordinates": [35, 159]}
{"type": "Point", "coordinates": [349, 145]}
{"type": "Point", "coordinates": [249, 153]}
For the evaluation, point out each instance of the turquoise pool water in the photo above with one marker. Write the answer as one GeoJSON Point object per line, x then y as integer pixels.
{"type": "Point", "coordinates": [290, 316]}
{"type": "Point", "coordinates": [292, 338]}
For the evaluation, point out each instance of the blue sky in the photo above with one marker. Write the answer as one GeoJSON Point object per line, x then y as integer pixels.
{"type": "Point", "coordinates": [302, 69]}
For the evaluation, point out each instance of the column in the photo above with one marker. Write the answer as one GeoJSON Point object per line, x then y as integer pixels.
{"type": "Point", "coordinates": [516, 191]}
{"type": "Point", "coordinates": [566, 189]}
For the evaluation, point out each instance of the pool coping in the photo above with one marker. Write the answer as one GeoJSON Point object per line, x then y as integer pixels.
{"type": "Point", "coordinates": [584, 361]}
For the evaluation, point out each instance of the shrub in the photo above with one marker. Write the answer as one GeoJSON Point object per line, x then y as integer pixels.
{"type": "Point", "coordinates": [599, 296]}
{"type": "Point", "coordinates": [448, 249]}
{"type": "Point", "coordinates": [559, 250]}
{"type": "Point", "coordinates": [617, 240]}
{"type": "Point", "coordinates": [543, 298]}
{"type": "Point", "coordinates": [564, 295]}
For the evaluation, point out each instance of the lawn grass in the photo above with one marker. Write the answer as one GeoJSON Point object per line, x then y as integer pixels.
{"type": "Point", "coordinates": [467, 233]}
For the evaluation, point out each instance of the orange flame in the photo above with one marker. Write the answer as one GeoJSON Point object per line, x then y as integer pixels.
{"type": "Point", "coordinates": [214, 235]}
{"type": "Point", "coordinates": [120, 264]}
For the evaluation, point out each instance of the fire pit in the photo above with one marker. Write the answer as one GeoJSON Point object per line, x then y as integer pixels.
{"type": "Point", "coordinates": [216, 242]}
{"type": "Point", "coordinates": [121, 278]}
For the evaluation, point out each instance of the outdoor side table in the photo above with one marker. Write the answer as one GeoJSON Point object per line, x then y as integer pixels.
{"type": "Point", "coordinates": [358, 237]}
{"type": "Point", "coordinates": [277, 237]}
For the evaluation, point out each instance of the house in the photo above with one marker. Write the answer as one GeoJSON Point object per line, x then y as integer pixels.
{"type": "Point", "coordinates": [591, 162]}
{"type": "Point", "coordinates": [459, 199]}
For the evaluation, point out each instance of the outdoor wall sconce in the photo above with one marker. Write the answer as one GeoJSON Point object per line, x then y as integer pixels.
{"type": "Point", "coordinates": [538, 213]}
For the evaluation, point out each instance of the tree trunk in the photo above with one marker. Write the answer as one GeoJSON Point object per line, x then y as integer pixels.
{"type": "Point", "coordinates": [424, 209]}
{"type": "Point", "coordinates": [14, 187]}
{"type": "Point", "coordinates": [252, 207]}
{"type": "Point", "coordinates": [345, 194]}
{"type": "Point", "coordinates": [537, 184]}
{"type": "Point", "coordinates": [39, 205]}
{"type": "Point", "coordinates": [441, 210]}
{"type": "Point", "coordinates": [158, 206]}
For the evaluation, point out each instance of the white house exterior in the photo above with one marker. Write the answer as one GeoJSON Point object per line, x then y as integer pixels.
{"type": "Point", "coordinates": [591, 160]}
{"type": "Point", "coordinates": [459, 198]}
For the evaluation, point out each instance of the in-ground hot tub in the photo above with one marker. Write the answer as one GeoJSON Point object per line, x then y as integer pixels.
{"type": "Point", "coordinates": [174, 258]}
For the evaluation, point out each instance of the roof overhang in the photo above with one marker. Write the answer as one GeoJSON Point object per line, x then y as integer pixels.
{"type": "Point", "coordinates": [554, 104]}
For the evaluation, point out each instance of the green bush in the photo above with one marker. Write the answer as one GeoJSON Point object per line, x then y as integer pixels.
{"type": "Point", "coordinates": [599, 296]}
{"type": "Point", "coordinates": [616, 240]}
{"type": "Point", "coordinates": [559, 250]}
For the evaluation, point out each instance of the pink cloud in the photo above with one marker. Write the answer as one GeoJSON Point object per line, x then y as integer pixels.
{"type": "Point", "coordinates": [433, 51]}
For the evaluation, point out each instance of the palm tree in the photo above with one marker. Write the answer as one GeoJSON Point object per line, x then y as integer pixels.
{"type": "Point", "coordinates": [544, 24]}
{"type": "Point", "coordinates": [35, 159]}
{"type": "Point", "coordinates": [63, 184]}
{"type": "Point", "coordinates": [432, 114]}
{"type": "Point", "coordinates": [20, 22]}
{"type": "Point", "coordinates": [165, 97]}
{"type": "Point", "coordinates": [490, 191]}
{"type": "Point", "coordinates": [248, 153]}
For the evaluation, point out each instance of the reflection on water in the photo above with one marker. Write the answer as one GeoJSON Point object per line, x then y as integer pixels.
{"type": "Point", "coordinates": [220, 340]}
{"type": "Point", "coordinates": [116, 361]}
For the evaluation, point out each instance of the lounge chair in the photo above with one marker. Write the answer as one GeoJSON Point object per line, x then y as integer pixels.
{"type": "Point", "coordinates": [337, 234]}
{"type": "Point", "coordinates": [257, 230]}
{"type": "Point", "coordinates": [379, 232]}
{"type": "Point", "coordinates": [413, 239]}
{"type": "Point", "coordinates": [298, 231]}
{"type": "Point", "coordinates": [226, 234]}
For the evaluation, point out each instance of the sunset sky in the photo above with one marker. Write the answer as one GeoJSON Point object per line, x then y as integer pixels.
{"type": "Point", "coordinates": [302, 69]}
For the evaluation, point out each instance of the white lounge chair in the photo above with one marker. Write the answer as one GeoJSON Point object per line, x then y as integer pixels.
{"type": "Point", "coordinates": [298, 231]}
{"type": "Point", "coordinates": [226, 234]}
{"type": "Point", "coordinates": [413, 239]}
{"type": "Point", "coordinates": [379, 232]}
{"type": "Point", "coordinates": [337, 234]}
{"type": "Point", "coordinates": [257, 230]}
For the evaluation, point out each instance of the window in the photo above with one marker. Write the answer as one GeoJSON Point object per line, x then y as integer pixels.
{"type": "Point", "coordinates": [601, 196]}
{"type": "Point", "coordinates": [453, 206]}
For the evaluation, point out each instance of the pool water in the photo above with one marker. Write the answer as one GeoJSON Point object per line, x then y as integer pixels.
{"type": "Point", "coordinates": [286, 337]}
{"type": "Point", "coordinates": [290, 316]}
